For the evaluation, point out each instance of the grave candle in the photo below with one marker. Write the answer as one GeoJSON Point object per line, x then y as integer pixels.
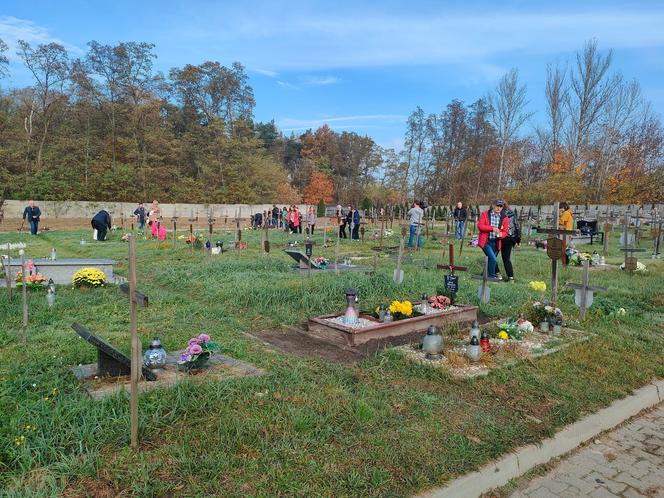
{"type": "Point", "coordinates": [474, 351]}
{"type": "Point", "coordinates": [432, 344]}
{"type": "Point", "coordinates": [475, 330]}
{"type": "Point", "coordinates": [484, 341]}
{"type": "Point", "coordinates": [50, 293]}
{"type": "Point", "coordinates": [155, 356]}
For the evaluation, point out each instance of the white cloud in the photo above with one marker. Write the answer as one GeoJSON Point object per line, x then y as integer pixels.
{"type": "Point", "coordinates": [320, 80]}
{"type": "Point", "coordinates": [366, 39]}
{"type": "Point", "coordinates": [267, 72]}
{"type": "Point", "coordinates": [13, 29]}
{"type": "Point", "coordinates": [341, 122]}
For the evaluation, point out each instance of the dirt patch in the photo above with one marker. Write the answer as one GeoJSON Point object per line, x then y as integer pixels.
{"type": "Point", "coordinates": [290, 340]}
{"type": "Point", "coordinates": [99, 488]}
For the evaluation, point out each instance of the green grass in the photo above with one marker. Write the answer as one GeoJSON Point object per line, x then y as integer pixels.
{"type": "Point", "coordinates": [384, 427]}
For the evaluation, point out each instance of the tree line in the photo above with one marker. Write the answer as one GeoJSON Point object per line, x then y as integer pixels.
{"type": "Point", "coordinates": [108, 126]}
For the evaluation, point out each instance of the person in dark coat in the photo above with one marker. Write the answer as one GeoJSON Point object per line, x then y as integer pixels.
{"type": "Point", "coordinates": [101, 222]}
{"type": "Point", "coordinates": [32, 213]}
{"type": "Point", "coordinates": [460, 215]}
{"type": "Point", "coordinates": [356, 224]}
{"type": "Point", "coordinates": [140, 214]}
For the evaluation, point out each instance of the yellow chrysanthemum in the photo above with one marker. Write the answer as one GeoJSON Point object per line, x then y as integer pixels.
{"type": "Point", "coordinates": [503, 335]}
{"type": "Point", "coordinates": [89, 276]}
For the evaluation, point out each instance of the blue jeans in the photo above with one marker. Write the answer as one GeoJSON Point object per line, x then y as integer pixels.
{"type": "Point", "coordinates": [34, 227]}
{"type": "Point", "coordinates": [459, 229]}
{"type": "Point", "coordinates": [141, 224]}
{"type": "Point", "coordinates": [413, 231]}
{"type": "Point", "coordinates": [491, 250]}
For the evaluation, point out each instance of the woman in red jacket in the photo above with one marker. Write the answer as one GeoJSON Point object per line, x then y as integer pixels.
{"type": "Point", "coordinates": [493, 228]}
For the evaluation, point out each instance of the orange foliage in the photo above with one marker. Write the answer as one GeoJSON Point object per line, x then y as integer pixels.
{"type": "Point", "coordinates": [287, 194]}
{"type": "Point", "coordinates": [319, 144]}
{"type": "Point", "coordinates": [320, 187]}
{"type": "Point", "coordinates": [560, 163]}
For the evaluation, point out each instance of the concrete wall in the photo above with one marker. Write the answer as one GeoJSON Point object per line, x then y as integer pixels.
{"type": "Point", "coordinates": [86, 209]}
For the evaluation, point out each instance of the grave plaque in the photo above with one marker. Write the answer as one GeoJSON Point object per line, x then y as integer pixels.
{"type": "Point", "coordinates": [554, 248]}
{"type": "Point", "coordinates": [452, 283]}
{"type": "Point", "coordinates": [110, 361]}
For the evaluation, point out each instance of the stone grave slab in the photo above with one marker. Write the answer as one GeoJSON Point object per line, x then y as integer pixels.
{"type": "Point", "coordinates": [62, 270]}
{"type": "Point", "coordinates": [303, 264]}
{"type": "Point", "coordinates": [219, 367]}
{"type": "Point", "coordinates": [504, 353]}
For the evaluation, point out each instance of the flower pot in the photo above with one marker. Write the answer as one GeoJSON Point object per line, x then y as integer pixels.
{"type": "Point", "coordinates": [557, 329]}
{"type": "Point", "coordinates": [199, 362]}
{"type": "Point", "coordinates": [544, 327]}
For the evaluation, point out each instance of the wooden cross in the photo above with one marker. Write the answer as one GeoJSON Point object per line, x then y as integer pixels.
{"type": "Point", "coordinates": [584, 292]}
{"type": "Point", "coordinates": [7, 265]}
{"type": "Point", "coordinates": [627, 237]}
{"type": "Point", "coordinates": [382, 227]}
{"type": "Point", "coordinates": [484, 292]}
{"type": "Point", "coordinates": [24, 297]}
{"type": "Point", "coordinates": [656, 234]}
{"type": "Point", "coordinates": [555, 249]}
{"type": "Point", "coordinates": [452, 280]}
{"type": "Point", "coordinates": [135, 299]}
{"type": "Point", "coordinates": [608, 227]}
{"type": "Point", "coordinates": [265, 243]}
{"type": "Point", "coordinates": [211, 222]}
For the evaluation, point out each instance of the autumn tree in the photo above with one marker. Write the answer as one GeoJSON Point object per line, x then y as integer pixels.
{"type": "Point", "coordinates": [320, 187]}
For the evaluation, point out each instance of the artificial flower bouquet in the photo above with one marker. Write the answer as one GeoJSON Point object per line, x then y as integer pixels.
{"type": "Point", "coordinates": [198, 352]}
{"type": "Point", "coordinates": [321, 262]}
{"type": "Point", "coordinates": [34, 279]}
{"type": "Point", "coordinates": [439, 302]}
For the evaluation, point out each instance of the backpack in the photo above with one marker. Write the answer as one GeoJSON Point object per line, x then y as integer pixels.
{"type": "Point", "coordinates": [513, 229]}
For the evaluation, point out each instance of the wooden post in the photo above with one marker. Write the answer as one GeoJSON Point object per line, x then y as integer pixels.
{"type": "Point", "coordinates": [554, 262]}
{"type": "Point", "coordinates": [584, 295]}
{"type": "Point", "coordinates": [605, 243]}
{"type": "Point", "coordinates": [382, 230]}
{"type": "Point", "coordinates": [135, 345]}
{"type": "Point", "coordinates": [175, 231]}
{"type": "Point", "coordinates": [336, 254]}
{"type": "Point", "coordinates": [8, 279]}
{"type": "Point", "coordinates": [398, 272]}
{"type": "Point", "coordinates": [24, 297]}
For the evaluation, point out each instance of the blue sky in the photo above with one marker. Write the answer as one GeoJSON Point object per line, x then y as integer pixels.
{"type": "Point", "coordinates": [361, 66]}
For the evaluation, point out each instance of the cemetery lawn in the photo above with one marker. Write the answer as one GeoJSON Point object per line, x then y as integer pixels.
{"type": "Point", "coordinates": [381, 427]}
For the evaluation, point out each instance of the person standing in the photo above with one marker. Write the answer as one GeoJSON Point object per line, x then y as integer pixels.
{"type": "Point", "coordinates": [32, 213]}
{"type": "Point", "coordinates": [415, 215]}
{"type": "Point", "coordinates": [300, 220]}
{"type": "Point", "coordinates": [356, 224]}
{"type": "Point", "coordinates": [140, 214]}
{"type": "Point", "coordinates": [513, 238]}
{"type": "Point", "coordinates": [275, 216]}
{"type": "Point", "coordinates": [311, 221]}
{"type": "Point", "coordinates": [341, 220]}
{"type": "Point", "coordinates": [460, 215]}
{"type": "Point", "coordinates": [284, 219]}
{"type": "Point", "coordinates": [493, 229]}
{"type": "Point", "coordinates": [101, 222]}
{"type": "Point", "coordinates": [565, 222]}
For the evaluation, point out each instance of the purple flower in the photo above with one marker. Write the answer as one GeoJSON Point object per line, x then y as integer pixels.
{"type": "Point", "coordinates": [203, 338]}
{"type": "Point", "coordinates": [194, 340]}
{"type": "Point", "coordinates": [195, 349]}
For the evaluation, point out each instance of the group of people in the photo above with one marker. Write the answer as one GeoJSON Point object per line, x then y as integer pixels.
{"type": "Point", "coordinates": [499, 232]}
{"type": "Point", "coordinates": [289, 218]}
{"type": "Point", "coordinates": [349, 219]}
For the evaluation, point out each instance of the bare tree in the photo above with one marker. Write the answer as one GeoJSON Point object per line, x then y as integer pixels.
{"type": "Point", "coordinates": [507, 113]}
{"type": "Point", "coordinates": [556, 95]}
{"type": "Point", "coordinates": [4, 61]}
{"type": "Point", "coordinates": [591, 88]}
{"type": "Point", "coordinates": [49, 65]}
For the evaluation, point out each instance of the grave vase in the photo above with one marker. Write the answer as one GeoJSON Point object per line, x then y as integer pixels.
{"type": "Point", "coordinates": [557, 329]}
{"type": "Point", "coordinates": [544, 327]}
{"type": "Point", "coordinates": [199, 362]}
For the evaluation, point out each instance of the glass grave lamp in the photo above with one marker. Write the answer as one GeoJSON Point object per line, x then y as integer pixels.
{"type": "Point", "coordinates": [475, 330]}
{"type": "Point", "coordinates": [432, 343]}
{"type": "Point", "coordinates": [220, 244]}
{"type": "Point", "coordinates": [50, 293]}
{"type": "Point", "coordinates": [155, 356]}
{"type": "Point", "coordinates": [382, 309]}
{"type": "Point", "coordinates": [351, 316]}
{"type": "Point", "coordinates": [425, 306]}
{"type": "Point", "coordinates": [474, 350]}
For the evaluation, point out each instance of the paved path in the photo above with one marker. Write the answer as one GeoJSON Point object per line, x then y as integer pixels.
{"type": "Point", "coordinates": [626, 462]}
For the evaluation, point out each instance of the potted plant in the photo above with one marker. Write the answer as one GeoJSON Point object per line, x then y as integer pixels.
{"type": "Point", "coordinates": [88, 277]}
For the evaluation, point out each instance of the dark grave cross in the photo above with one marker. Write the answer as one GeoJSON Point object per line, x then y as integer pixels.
{"type": "Point", "coordinates": [122, 219]}
{"type": "Point", "coordinates": [555, 250]}
{"type": "Point", "coordinates": [584, 293]}
{"type": "Point", "coordinates": [265, 243]}
{"type": "Point", "coordinates": [362, 233]}
{"type": "Point", "coordinates": [452, 280]}
{"type": "Point", "coordinates": [174, 219]}
{"type": "Point", "coordinates": [211, 222]}
{"type": "Point", "coordinates": [483, 291]}
{"type": "Point", "coordinates": [637, 225]}
{"type": "Point", "coordinates": [135, 299]}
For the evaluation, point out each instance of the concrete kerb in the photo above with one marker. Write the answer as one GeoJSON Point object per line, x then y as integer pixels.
{"type": "Point", "coordinates": [517, 463]}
